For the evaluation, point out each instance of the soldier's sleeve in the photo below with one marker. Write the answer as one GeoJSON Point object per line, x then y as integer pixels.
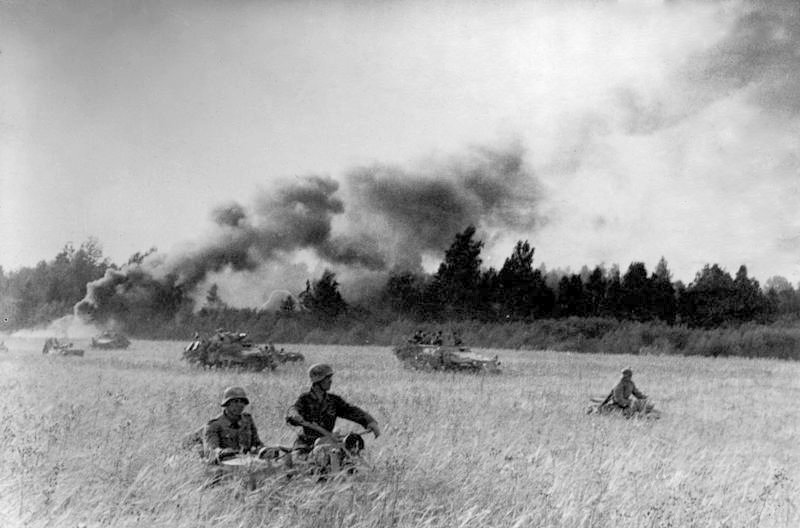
{"type": "Point", "coordinates": [211, 436]}
{"type": "Point", "coordinates": [351, 412]}
{"type": "Point", "coordinates": [636, 392]}
{"type": "Point", "coordinates": [300, 408]}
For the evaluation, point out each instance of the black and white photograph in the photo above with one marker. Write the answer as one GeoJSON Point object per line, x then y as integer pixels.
{"type": "Point", "coordinates": [367, 264]}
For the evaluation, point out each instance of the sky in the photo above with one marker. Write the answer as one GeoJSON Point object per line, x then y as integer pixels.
{"type": "Point", "coordinates": [602, 132]}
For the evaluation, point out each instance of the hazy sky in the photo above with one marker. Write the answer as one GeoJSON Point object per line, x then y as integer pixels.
{"type": "Point", "coordinates": [651, 128]}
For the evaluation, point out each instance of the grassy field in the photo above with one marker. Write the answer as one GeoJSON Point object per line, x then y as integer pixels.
{"type": "Point", "coordinates": [95, 441]}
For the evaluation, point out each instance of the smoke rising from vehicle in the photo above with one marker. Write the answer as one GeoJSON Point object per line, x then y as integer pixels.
{"type": "Point", "coordinates": [382, 218]}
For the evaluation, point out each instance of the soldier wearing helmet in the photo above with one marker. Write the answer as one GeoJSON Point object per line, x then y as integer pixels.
{"type": "Point", "coordinates": [319, 408]}
{"type": "Point", "coordinates": [621, 394]}
{"type": "Point", "coordinates": [233, 431]}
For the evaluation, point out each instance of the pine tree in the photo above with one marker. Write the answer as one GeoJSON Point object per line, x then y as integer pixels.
{"type": "Point", "coordinates": [403, 292]}
{"type": "Point", "coordinates": [323, 298]}
{"type": "Point", "coordinates": [516, 285]}
{"type": "Point", "coordinates": [456, 285]}
{"type": "Point", "coordinates": [664, 304]}
{"type": "Point", "coordinates": [709, 300]}
{"type": "Point", "coordinates": [288, 305]}
{"type": "Point", "coordinates": [595, 291]}
{"type": "Point", "coordinates": [213, 300]}
{"type": "Point", "coordinates": [637, 293]}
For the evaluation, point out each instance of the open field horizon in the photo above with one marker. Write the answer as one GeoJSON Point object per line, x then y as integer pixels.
{"type": "Point", "coordinates": [95, 441]}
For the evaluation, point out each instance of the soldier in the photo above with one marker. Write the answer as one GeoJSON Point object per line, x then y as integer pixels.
{"type": "Point", "coordinates": [418, 337]}
{"type": "Point", "coordinates": [437, 340]}
{"type": "Point", "coordinates": [232, 432]}
{"type": "Point", "coordinates": [318, 409]}
{"type": "Point", "coordinates": [621, 394]}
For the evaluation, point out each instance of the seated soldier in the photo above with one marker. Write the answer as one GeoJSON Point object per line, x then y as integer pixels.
{"type": "Point", "coordinates": [317, 410]}
{"type": "Point", "coordinates": [232, 432]}
{"type": "Point", "coordinates": [621, 394]}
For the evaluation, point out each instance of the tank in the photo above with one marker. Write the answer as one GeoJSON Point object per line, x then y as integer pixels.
{"type": "Point", "coordinates": [420, 356]}
{"type": "Point", "coordinates": [110, 341]}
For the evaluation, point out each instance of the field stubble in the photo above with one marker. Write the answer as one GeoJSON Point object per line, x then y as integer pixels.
{"type": "Point", "coordinates": [96, 441]}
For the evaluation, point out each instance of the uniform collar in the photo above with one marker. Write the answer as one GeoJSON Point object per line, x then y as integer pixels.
{"type": "Point", "coordinates": [229, 419]}
{"type": "Point", "coordinates": [317, 392]}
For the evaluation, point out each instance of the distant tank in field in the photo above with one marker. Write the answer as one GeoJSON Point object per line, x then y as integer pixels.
{"type": "Point", "coordinates": [235, 350]}
{"type": "Point", "coordinates": [422, 356]}
{"type": "Point", "coordinates": [110, 340]}
{"type": "Point", "coordinates": [55, 347]}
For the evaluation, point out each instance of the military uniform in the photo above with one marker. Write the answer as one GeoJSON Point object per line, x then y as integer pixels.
{"type": "Point", "coordinates": [322, 408]}
{"type": "Point", "coordinates": [223, 433]}
{"type": "Point", "coordinates": [623, 390]}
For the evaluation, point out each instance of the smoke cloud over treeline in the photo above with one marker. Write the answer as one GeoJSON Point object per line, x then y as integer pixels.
{"type": "Point", "coordinates": [379, 218]}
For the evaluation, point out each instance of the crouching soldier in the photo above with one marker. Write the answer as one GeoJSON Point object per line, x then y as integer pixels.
{"type": "Point", "coordinates": [622, 392]}
{"type": "Point", "coordinates": [317, 410]}
{"type": "Point", "coordinates": [232, 432]}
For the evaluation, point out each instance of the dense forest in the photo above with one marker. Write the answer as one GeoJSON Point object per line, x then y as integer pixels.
{"type": "Point", "coordinates": [519, 305]}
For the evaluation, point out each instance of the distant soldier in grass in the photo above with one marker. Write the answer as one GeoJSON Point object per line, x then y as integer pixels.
{"type": "Point", "coordinates": [317, 410]}
{"type": "Point", "coordinates": [232, 432]}
{"type": "Point", "coordinates": [622, 392]}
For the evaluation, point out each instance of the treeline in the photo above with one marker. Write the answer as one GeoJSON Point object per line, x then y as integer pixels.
{"type": "Point", "coordinates": [522, 304]}
{"type": "Point", "coordinates": [36, 296]}
{"type": "Point", "coordinates": [460, 289]}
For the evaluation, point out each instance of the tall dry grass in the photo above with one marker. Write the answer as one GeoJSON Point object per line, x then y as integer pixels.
{"type": "Point", "coordinates": [95, 441]}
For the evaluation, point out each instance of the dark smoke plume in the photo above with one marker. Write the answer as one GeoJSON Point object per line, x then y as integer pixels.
{"type": "Point", "coordinates": [384, 218]}
{"type": "Point", "coordinates": [762, 52]}
{"type": "Point", "coordinates": [421, 210]}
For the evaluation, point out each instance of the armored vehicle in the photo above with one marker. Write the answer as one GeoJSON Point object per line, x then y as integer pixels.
{"type": "Point", "coordinates": [421, 356]}
{"type": "Point", "coordinates": [283, 356]}
{"type": "Point", "coordinates": [231, 349]}
{"type": "Point", "coordinates": [110, 340]}
{"type": "Point", "coordinates": [53, 346]}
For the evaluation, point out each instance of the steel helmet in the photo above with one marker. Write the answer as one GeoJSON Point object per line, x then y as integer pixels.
{"type": "Point", "coordinates": [627, 372]}
{"type": "Point", "coordinates": [232, 393]}
{"type": "Point", "coordinates": [319, 372]}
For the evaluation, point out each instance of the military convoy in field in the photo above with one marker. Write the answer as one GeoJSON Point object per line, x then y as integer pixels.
{"type": "Point", "coordinates": [110, 341]}
{"type": "Point", "coordinates": [235, 350]}
{"type": "Point", "coordinates": [55, 347]}
{"type": "Point", "coordinates": [430, 353]}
